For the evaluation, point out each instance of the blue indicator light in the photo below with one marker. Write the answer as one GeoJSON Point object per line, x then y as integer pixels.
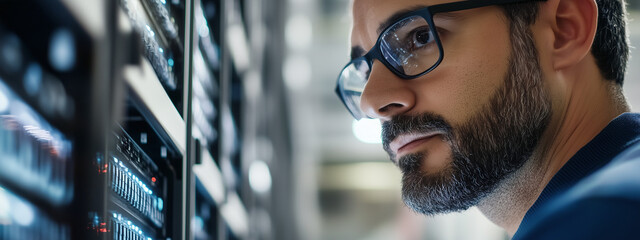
{"type": "Point", "coordinates": [10, 54]}
{"type": "Point", "coordinates": [62, 50]}
{"type": "Point", "coordinates": [33, 79]}
{"type": "Point", "coordinates": [170, 62]}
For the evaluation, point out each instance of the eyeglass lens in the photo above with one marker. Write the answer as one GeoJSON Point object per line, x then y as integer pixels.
{"type": "Point", "coordinates": [410, 48]}
{"type": "Point", "coordinates": [352, 80]}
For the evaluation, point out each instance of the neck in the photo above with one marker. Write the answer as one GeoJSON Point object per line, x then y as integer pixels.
{"type": "Point", "coordinates": [509, 202]}
{"type": "Point", "coordinates": [576, 120]}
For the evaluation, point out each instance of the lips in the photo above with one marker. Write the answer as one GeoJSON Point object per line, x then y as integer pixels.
{"type": "Point", "coordinates": [407, 141]}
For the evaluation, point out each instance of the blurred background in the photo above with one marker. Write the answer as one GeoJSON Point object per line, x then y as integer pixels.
{"type": "Point", "coordinates": [198, 119]}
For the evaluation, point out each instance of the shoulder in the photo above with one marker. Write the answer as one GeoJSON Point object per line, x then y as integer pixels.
{"type": "Point", "coordinates": [618, 179]}
{"type": "Point", "coordinates": [604, 205]}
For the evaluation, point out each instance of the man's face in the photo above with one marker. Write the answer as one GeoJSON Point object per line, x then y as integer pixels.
{"type": "Point", "coordinates": [459, 130]}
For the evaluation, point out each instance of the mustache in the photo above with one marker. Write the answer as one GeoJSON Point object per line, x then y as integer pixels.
{"type": "Point", "coordinates": [421, 123]}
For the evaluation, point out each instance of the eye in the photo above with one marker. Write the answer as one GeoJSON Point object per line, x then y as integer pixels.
{"type": "Point", "coordinates": [421, 37]}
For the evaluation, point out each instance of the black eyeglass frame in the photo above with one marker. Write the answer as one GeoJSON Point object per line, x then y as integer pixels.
{"type": "Point", "coordinates": [427, 13]}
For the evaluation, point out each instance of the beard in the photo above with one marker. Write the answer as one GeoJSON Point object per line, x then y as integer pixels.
{"type": "Point", "coordinates": [487, 148]}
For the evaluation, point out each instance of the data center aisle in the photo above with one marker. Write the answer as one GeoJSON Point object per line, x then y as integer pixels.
{"type": "Point", "coordinates": [143, 119]}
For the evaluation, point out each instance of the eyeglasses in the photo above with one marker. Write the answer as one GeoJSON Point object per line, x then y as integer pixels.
{"type": "Point", "coordinates": [410, 48]}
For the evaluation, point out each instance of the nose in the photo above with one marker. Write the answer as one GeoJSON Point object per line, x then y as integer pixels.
{"type": "Point", "coordinates": [386, 95]}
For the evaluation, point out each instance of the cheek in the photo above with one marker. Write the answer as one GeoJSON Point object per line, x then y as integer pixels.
{"type": "Point", "coordinates": [463, 90]}
{"type": "Point", "coordinates": [468, 77]}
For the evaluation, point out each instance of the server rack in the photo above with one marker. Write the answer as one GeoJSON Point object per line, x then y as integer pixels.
{"type": "Point", "coordinates": [215, 178]}
{"type": "Point", "coordinates": [129, 119]}
{"type": "Point", "coordinates": [49, 123]}
{"type": "Point", "coordinates": [134, 185]}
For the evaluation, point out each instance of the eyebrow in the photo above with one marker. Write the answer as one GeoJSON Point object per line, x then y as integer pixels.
{"type": "Point", "coordinates": [396, 16]}
{"type": "Point", "coordinates": [356, 52]}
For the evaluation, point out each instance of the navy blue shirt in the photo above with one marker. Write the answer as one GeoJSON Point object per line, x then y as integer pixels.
{"type": "Point", "coordinates": [596, 194]}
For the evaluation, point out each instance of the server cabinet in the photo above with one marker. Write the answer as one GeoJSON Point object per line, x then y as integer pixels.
{"type": "Point", "coordinates": [49, 117]}
{"type": "Point", "coordinates": [213, 132]}
{"type": "Point", "coordinates": [145, 155]}
{"type": "Point", "coordinates": [127, 119]}
{"type": "Point", "coordinates": [87, 151]}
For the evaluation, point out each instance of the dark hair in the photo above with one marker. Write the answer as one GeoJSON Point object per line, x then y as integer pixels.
{"type": "Point", "coordinates": [610, 46]}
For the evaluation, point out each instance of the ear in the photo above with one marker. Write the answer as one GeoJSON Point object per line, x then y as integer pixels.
{"type": "Point", "coordinates": [574, 29]}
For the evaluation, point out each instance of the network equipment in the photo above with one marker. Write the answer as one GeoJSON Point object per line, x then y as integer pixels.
{"type": "Point", "coordinates": [160, 23]}
{"type": "Point", "coordinates": [205, 221]}
{"type": "Point", "coordinates": [206, 85]}
{"type": "Point", "coordinates": [20, 219]}
{"type": "Point", "coordinates": [140, 185]}
{"type": "Point", "coordinates": [42, 58]}
{"type": "Point", "coordinates": [122, 120]}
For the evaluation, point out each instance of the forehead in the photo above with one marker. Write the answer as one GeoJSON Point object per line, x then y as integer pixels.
{"type": "Point", "coordinates": [369, 14]}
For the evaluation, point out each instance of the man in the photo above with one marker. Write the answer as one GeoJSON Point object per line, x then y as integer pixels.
{"type": "Point", "coordinates": [513, 106]}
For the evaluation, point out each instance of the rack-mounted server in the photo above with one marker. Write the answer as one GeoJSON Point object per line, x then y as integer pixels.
{"type": "Point", "coordinates": [21, 219]}
{"type": "Point", "coordinates": [205, 223]}
{"type": "Point", "coordinates": [123, 229]}
{"type": "Point", "coordinates": [45, 72]}
{"type": "Point", "coordinates": [35, 156]}
{"type": "Point", "coordinates": [141, 170]}
{"type": "Point", "coordinates": [160, 23]}
{"type": "Point", "coordinates": [136, 179]}
{"type": "Point", "coordinates": [206, 85]}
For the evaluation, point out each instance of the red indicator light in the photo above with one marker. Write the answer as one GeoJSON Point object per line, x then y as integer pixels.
{"type": "Point", "coordinates": [106, 165]}
{"type": "Point", "coordinates": [153, 179]}
{"type": "Point", "coordinates": [103, 227]}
